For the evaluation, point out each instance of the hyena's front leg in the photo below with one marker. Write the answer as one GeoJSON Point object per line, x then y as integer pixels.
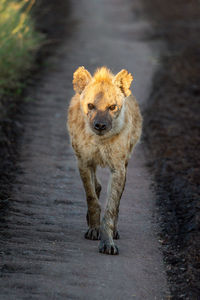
{"type": "Point", "coordinates": [108, 225]}
{"type": "Point", "coordinates": [94, 210]}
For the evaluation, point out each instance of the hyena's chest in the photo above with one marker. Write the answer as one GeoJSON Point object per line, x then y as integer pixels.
{"type": "Point", "coordinates": [97, 154]}
{"type": "Point", "coordinates": [104, 155]}
{"type": "Point", "coordinates": [108, 155]}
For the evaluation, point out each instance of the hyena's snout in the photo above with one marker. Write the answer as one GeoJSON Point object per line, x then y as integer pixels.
{"type": "Point", "coordinates": [101, 123]}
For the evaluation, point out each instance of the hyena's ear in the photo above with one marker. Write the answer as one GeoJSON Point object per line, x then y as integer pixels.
{"type": "Point", "coordinates": [123, 80]}
{"type": "Point", "coordinates": [81, 78]}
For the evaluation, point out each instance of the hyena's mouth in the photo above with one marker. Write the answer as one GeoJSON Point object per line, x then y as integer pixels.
{"type": "Point", "coordinates": [101, 131]}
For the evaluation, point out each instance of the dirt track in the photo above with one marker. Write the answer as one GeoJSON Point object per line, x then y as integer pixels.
{"type": "Point", "coordinates": [45, 255]}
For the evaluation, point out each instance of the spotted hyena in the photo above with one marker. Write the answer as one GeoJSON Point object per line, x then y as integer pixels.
{"type": "Point", "coordinates": [104, 124]}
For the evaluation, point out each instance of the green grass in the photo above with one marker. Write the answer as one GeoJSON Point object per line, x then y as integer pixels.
{"type": "Point", "coordinates": [18, 43]}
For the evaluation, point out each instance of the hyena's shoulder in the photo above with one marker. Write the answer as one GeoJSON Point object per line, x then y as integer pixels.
{"type": "Point", "coordinates": [75, 120]}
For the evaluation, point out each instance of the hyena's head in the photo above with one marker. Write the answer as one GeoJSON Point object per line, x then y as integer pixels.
{"type": "Point", "coordinates": [102, 98]}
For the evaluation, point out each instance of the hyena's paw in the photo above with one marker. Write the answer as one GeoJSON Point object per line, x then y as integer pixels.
{"type": "Point", "coordinates": [93, 234]}
{"type": "Point", "coordinates": [106, 247]}
{"type": "Point", "coordinates": [116, 235]}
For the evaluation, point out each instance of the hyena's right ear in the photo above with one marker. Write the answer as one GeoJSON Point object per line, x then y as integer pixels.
{"type": "Point", "coordinates": [81, 78]}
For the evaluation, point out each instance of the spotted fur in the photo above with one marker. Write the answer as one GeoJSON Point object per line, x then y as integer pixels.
{"type": "Point", "coordinates": [103, 97]}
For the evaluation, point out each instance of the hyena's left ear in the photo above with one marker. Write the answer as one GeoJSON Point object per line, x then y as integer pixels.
{"type": "Point", "coordinates": [81, 78]}
{"type": "Point", "coordinates": [123, 80]}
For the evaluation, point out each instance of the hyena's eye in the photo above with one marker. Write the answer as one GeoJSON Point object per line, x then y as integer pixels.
{"type": "Point", "coordinates": [112, 107]}
{"type": "Point", "coordinates": [90, 106]}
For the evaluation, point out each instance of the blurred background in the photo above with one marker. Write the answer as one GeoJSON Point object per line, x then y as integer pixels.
{"type": "Point", "coordinates": [31, 30]}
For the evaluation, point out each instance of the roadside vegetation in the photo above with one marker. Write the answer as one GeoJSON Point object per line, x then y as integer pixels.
{"type": "Point", "coordinates": [18, 42]}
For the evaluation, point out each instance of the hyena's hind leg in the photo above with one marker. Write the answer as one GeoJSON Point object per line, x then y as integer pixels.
{"type": "Point", "coordinates": [97, 185]}
{"type": "Point", "coordinates": [116, 235]}
{"type": "Point", "coordinates": [94, 209]}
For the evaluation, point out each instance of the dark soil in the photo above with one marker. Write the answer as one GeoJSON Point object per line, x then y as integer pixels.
{"type": "Point", "coordinates": [10, 128]}
{"type": "Point", "coordinates": [173, 136]}
{"type": "Point", "coordinates": [51, 18]}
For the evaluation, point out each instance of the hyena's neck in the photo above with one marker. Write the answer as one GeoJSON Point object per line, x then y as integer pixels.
{"type": "Point", "coordinates": [119, 123]}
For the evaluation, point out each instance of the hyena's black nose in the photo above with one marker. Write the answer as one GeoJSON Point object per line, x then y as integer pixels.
{"type": "Point", "coordinates": [100, 126]}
